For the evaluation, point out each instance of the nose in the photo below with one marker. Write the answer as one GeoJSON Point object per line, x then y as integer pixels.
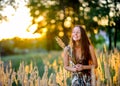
{"type": "Point", "coordinates": [76, 33]}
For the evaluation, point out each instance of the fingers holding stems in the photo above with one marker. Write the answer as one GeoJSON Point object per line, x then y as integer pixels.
{"type": "Point", "coordinates": [78, 67]}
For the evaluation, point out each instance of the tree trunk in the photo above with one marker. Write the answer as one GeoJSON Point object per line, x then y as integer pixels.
{"type": "Point", "coordinates": [115, 37]}
{"type": "Point", "coordinates": [110, 37]}
{"type": "Point", "coordinates": [116, 30]}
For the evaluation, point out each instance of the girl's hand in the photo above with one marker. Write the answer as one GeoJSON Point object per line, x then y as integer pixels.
{"type": "Point", "coordinates": [74, 69]}
{"type": "Point", "coordinates": [79, 67]}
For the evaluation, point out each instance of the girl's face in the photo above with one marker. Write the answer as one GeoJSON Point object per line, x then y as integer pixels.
{"type": "Point", "coordinates": [76, 34]}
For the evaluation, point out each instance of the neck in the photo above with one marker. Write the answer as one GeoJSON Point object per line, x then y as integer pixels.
{"type": "Point", "coordinates": [77, 44]}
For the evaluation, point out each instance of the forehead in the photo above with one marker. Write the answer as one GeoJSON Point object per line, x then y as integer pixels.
{"type": "Point", "coordinates": [76, 29]}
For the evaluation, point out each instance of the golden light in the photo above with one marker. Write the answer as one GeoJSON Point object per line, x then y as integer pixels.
{"type": "Point", "coordinates": [88, 34]}
{"type": "Point", "coordinates": [103, 21]}
{"type": "Point", "coordinates": [61, 34]}
{"type": "Point", "coordinates": [37, 12]}
{"type": "Point", "coordinates": [76, 19]}
{"type": "Point", "coordinates": [68, 22]}
{"type": "Point", "coordinates": [95, 18]}
{"type": "Point", "coordinates": [69, 18]}
{"type": "Point", "coordinates": [60, 28]}
{"type": "Point", "coordinates": [52, 21]}
{"type": "Point", "coordinates": [95, 31]}
{"type": "Point", "coordinates": [61, 16]}
{"type": "Point", "coordinates": [17, 24]}
{"type": "Point", "coordinates": [40, 18]}
{"type": "Point", "coordinates": [33, 28]}
{"type": "Point", "coordinates": [44, 30]}
{"type": "Point", "coordinates": [81, 8]}
{"type": "Point", "coordinates": [111, 14]}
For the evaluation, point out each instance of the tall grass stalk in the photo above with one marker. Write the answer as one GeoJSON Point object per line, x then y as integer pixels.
{"type": "Point", "coordinates": [107, 73]}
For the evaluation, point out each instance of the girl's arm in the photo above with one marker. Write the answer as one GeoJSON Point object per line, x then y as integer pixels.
{"type": "Point", "coordinates": [66, 61]}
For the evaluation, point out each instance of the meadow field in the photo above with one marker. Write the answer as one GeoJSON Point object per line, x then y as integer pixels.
{"type": "Point", "coordinates": [46, 69]}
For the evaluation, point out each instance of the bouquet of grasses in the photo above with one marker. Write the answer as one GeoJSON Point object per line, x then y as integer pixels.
{"type": "Point", "coordinates": [69, 49]}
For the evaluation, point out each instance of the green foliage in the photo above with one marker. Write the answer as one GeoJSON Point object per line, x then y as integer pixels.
{"type": "Point", "coordinates": [39, 59]}
{"type": "Point", "coordinates": [52, 10]}
{"type": "Point", "coordinates": [21, 46]}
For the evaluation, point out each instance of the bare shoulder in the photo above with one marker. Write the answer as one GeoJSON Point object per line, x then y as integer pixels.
{"type": "Point", "coordinates": [66, 48]}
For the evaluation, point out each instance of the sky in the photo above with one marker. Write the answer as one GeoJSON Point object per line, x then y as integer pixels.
{"type": "Point", "coordinates": [17, 23]}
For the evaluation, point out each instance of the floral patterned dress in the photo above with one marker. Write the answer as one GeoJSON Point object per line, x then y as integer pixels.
{"type": "Point", "coordinates": [82, 78]}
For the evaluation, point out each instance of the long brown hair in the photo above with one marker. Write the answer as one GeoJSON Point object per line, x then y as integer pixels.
{"type": "Point", "coordinates": [84, 43]}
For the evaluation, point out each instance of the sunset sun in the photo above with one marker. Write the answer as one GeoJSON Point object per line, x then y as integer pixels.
{"type": "Point", "coordinates": [17, 24]}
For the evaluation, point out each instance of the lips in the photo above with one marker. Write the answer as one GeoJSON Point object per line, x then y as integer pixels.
{"type": "Point", "coordinates": [75, 38]}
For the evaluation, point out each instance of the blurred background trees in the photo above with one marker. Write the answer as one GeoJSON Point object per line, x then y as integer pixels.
{"type": "Point", "coordinates": [60, 16]}
{"type": "Point", "coordinates": [101, 19]}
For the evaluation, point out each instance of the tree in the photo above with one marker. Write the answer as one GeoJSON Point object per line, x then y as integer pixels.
{"type": "Point", "coordinates": [61, 15]}
{"type": "Point", "coordinates": [3, 4]}
{"type": "Point", "coordinates": [55, 15]}
{"type": "Point", "coordinates": [106, 9]}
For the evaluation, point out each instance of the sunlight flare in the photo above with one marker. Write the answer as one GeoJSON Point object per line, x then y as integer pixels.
{"type": "Point", "coordinates": [17, 23]}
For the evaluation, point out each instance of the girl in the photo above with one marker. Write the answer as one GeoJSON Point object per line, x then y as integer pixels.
{"type": "Point", "coordinates": [81, 54]}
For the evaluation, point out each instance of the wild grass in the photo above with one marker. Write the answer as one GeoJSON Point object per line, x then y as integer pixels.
{"type": "Point", "coordinates": [46, 69]}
